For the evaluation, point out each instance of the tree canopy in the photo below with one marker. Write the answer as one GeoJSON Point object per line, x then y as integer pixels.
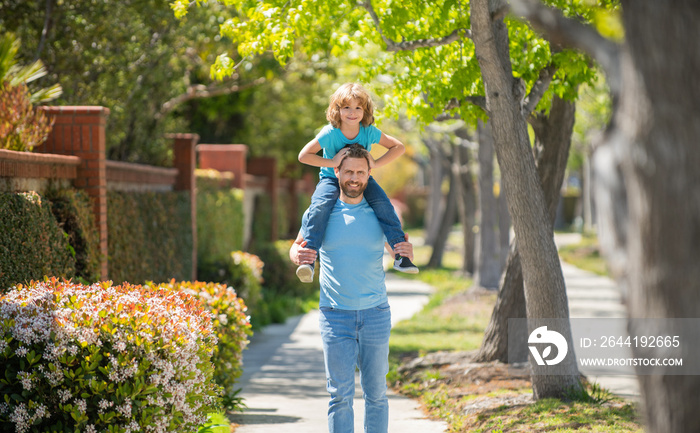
{"type": "Point", "coordinates": [428, 60]}
{"type": "Point", "coordinates": [133, 57]}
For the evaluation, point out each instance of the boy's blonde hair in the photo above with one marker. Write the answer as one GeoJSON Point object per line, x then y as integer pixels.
{"type": "Point", "coordinates": [342, 96]}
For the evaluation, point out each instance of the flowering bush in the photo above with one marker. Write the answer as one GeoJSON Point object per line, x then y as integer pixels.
{"type": "Point", "coordinates": [21, 126]}
{"type": "Point", "coordinates": [243, 271]}
{"type": "Point", "coordinates": [105, 358]}
{"type": "Point", "coordinates": [246, 272]}
{"type": "Point", "coordinates": [232, 327]}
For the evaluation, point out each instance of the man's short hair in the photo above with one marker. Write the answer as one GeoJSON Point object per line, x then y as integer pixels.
{"type": "Point", "coordinates": [356, 151]}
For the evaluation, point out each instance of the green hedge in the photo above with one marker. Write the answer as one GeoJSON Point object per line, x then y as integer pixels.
{"type": "Point", "coordinates": [73, 211]}
{"type": "Point", "coordinates": [55, 235]}
{"type": "Point", "coordinates": [278, 294]}
{"type": "Point", "coordinates": [262, 221]}
{"type": "Point", "coordinates": [149, 236]}
{"type": "Point", "coordinates": [284, 204]}
{"type": "Point", "coordinates": [283, 295]}
{"type": "Point", "coordinates": [219, 224]}
{"type": "Point", "coordinates": [32, 244]}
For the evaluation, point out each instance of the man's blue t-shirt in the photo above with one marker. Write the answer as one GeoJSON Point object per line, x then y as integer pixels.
{"type": "Point", "coordinates": [332, 140]}
{"type": "Point", "coordinates": [351, 257]}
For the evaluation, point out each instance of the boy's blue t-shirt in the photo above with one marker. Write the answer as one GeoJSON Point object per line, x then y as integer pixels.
{"type": "Point", "coordinates": [332, 140]}
{"type": "Point", "coordinates": [351, 257]}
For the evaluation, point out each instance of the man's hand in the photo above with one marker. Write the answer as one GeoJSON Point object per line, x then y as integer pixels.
{"type": "Point", "coordinates": [300, 255]}
{"type": "Point", "coordinates": [404, 249]}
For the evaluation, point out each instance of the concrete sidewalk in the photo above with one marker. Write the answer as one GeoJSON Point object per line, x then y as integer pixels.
{"type": "Point", "coordinates": [594, 296]}
{"type": "Point", "coordinates": [284, 382]}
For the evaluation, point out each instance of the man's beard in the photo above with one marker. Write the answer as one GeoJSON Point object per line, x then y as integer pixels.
{"type": "Point", "coordinates": [354, 192]}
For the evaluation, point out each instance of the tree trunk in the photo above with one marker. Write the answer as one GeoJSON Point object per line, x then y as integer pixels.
{"type": "Point", "coordinates": [489, 267]}
{"type": "Point", "coordinates": [510, 304]}
{"type": "Point", "coordinates": [545, 292]}
{"type": "Point", "coordinates": [588, 207]}
{"type": "Point", "coordinates": [46, 30]}
{"type": "Point", "coordinates": [435, 198]}
{"type": "Point", "coordinates": [647, 173]}
{"type": "Point", "coordinates": [467, 206]}
{"type": "Point", "coordinates": [552, 144]}
{"type": "Point", "coordinates": [553, 141]}
{"type": "Point", "coordinates": [446, 223]}
{"type": "Point", "coordinates": [503, 230]}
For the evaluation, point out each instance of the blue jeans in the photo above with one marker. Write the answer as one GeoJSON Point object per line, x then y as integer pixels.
{"type": "Point", "coordinates": [313, 225]}
{"type": "Point", "coordinates": [356, 339]}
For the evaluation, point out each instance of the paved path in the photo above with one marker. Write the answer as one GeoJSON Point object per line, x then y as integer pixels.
{"type": "Point", "coordinates": [284, 382]}
{"type": "Point", "coordinates": [593, 296]}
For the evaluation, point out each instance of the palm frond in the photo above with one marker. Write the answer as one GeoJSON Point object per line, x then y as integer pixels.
{"type": "Point", "coordinates": [46, 94]}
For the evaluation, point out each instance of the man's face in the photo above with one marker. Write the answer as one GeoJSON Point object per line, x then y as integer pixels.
{"type": "Point", "coordinates": [353, 175]}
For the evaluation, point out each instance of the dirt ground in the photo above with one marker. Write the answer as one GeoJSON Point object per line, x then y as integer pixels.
{"type": "Point", "coordinates": [480, 386]}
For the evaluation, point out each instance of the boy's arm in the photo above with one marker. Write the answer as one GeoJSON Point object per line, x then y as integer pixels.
{"type": "Point", "coordinates": [309, 155]}
{"type": "Point", "coordinates": [396, 149]}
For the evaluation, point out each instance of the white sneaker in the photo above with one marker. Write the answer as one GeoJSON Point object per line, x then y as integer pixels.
{"type": "Point", "coordinates": [305, 273]}
{"type": "Point", "coordinates": [403, 264]}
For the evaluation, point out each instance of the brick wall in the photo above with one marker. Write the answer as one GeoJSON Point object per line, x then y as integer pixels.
{"type": "Point", "coordinates": [225, 157]}
{"type": "Point", "coordinates": [127, 176]}
{"type": "Point", "coordinates": [185, 161]}
{"type": "Point", "coordinates": [24, 171]}
{"type": "Point", "coordinates": [75, 153]}
{"type": "Point", "coordinates": [80, 132]}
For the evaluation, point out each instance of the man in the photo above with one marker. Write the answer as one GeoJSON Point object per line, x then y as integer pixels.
{"type": "Point", "coordinates": [355, 319]}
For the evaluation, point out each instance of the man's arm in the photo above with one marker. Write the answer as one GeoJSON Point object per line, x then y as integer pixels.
{"type": "Point", "coordinates": [404, 249]}
{"type": "Point", "coordinates": [299, 255]}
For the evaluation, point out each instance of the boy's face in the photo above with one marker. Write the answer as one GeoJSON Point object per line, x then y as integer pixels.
{"type": "Point", "coordinates": [351, 113]}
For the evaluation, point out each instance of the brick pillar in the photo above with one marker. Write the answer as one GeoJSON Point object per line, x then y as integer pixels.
{"type": "Point", "coordinates": [267, 166]}
{"type": "Point", "coordinates": [225, 157]}
{"type": "Point", "coordinates": [80, 131]}
{"type": "Point", "coordinates": [185, 162]}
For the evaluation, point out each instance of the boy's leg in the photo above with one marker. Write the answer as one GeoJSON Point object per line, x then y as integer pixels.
{"type": "Point", "coordinates": [384, 210]}
{"type": "Point", "coordinates": [315, 220]}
